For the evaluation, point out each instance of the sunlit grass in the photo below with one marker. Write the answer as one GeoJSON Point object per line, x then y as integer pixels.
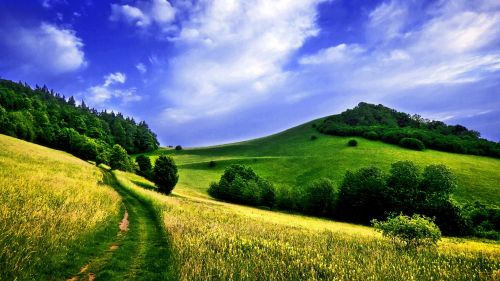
{"type": "Point", "coordinates": [221, 241]}
{"type": "Point", "coordinates": [291, 158]}
{"type": "Point", "coordinates": [51, 204]}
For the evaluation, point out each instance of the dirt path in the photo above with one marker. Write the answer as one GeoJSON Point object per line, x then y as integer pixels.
{"type": "Point", "coordinates": [140, 250]}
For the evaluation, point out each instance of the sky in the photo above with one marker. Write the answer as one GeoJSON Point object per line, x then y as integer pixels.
{"type": "Point", "coordinates": [204, 72]}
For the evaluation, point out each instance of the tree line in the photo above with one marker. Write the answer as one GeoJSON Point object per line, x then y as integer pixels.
{"type": "Point", "coordinates": [42, 116]}
{"type": "Point", "coordinates": [378, 122]}
{"type": "Point", "coordinates": [365, 195]}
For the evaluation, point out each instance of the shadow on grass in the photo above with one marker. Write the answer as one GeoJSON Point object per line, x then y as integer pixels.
{"type": "Point", "coordinates": [144, 185]}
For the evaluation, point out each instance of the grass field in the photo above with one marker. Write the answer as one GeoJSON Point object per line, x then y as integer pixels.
{"type": "Point", "coordinates": [54, 212]}
{"type": "Point", "coordinates": [290, 158]}
{"type": "Point", "coordinates": [220, 241]}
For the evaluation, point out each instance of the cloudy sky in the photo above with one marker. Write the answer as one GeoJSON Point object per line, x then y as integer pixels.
{"type": "Point", "coordinates": [211, 71]}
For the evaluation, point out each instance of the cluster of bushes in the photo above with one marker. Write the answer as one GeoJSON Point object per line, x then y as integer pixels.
{"type": "Point", "coordinates": [367, 194]}
{"type": "Point", "coordinates": [240, 184]}
{"type": "Point", "coordinates": [378, 122]}
{"type": "Point", "coordinates": [44, 117]}
{"type": "Point", "coordinates": [164, 173]}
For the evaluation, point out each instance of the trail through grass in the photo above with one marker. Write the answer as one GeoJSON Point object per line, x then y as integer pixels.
{"type": "Point", "coordinates": [140, 251]}
{"type": "Point", "coordinates": [221, 241]}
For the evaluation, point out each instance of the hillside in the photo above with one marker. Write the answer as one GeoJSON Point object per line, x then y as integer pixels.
{"type": "Point", "coordinates": [54, 211]}
{"type": "Point", "coordinates": [292, 159]}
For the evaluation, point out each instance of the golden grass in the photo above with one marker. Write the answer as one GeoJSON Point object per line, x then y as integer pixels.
{"type": "Point", "coordinates": [221, 241]}
{"type": "Point", "coordinates": [49, 200]}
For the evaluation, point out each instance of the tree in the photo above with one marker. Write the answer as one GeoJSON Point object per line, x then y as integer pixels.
{"type": "Point", "coordinates": [145, 167]}
{"type": "Point", "coordinates": [362, 195]}
{"type": "Point", "coordinates": [320, 197]}
{"type": "Point", "coordinates": [410, 232]}
{"type": "Point", "coordinates": [352, 142]}
{"type": "Point", "coordinates": [178, 147]}
{"type": "Point", "coordinates": [165, 174]}
{"type": "Point", "coordinates": [119, 159]}
{"type": "Point", "coordinates": [412, 143]}
{"type": "Point", "coordinates": [437, 184]}
{"type": "Point", "coordinates": [403, 187]}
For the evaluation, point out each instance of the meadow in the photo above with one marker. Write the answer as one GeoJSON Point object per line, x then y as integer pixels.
{"type": "Point", "coordinates": [213, 240]}
{"type": "Point", "coordinates": [291, 159]}
{"type": "Point", "coordinates": [54, 212]}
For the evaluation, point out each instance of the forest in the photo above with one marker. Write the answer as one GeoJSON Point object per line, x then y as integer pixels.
{"type": "Point", "coordinates": [377, 122]}
{"type": "Point", "coordinates": [44, 117]}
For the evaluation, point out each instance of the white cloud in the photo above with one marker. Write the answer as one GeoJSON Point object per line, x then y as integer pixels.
{"type": "Point", "coordinates": [101, 95]}
{"type": "Point", "coordinates": [113, 78]}
{"type": "Point", "coordinates": [454, 45]}
{"type": "Point", "coordinates": [336, 54]}
{"type": "Point", "coordinates": [141, 68]}
{"type": "Point", "coordinates": [237, 52]}
{"type": "Point", "coordinates": [144, 13]}
{"type": "Point", "coordinates": [46, 49]}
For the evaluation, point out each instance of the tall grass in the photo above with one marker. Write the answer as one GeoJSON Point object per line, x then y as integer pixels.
{"type": "Point", "coordinates": [52, 205]}
{"type": "Point", "coordinates": [221, 241]}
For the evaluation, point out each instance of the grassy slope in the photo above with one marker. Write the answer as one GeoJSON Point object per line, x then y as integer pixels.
{"type": "Point", "coordinates": [54, 211]}
{"type": "Point", "coordinates": [291, 158]}
{"type": "Point", "coordinates": [221, 241]}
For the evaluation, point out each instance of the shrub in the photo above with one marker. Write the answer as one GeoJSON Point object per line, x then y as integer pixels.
{"type": "Point", "coordinates": [371, 135]}
{"type": "Point", "coordinates": [165, 174]}
{"type": "Point", "coordinates": [313, 137]}
{"type": "Point", "coordinates": [240, 184]}
{"type": "Point", "coordinates": [145, 167]}
{"type": "Point", "coordinates": [320, 197]}
{"type": "Point", "coordinates": [412, 143]}
{"type": "Point", "coordinates": [119, 160]}
{"type": "Point", "coordinates": [411, 232]}
{"type": "Point", "coordinates": [352, 142]}
{"type": "Point", "coordinates": [178, 147]}
{"type": "Point", "coordinates": [211, 164]}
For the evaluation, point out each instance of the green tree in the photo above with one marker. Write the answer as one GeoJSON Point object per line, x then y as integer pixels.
{"type": "Point", "coordinates": [403, 187]}
{"type": "Point", "coordinates": [438, 183]}
{"type": "Point", "coordinates": [145, 167]}
{"type": "Point", "coordinates": [119, 159]}
{"type": "Point", "coordinates": [320, 197]}
{"type": "Point", "coordinates": [165, 174]}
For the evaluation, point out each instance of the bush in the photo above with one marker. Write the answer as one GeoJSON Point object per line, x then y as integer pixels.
{"type": "Point", "coordinates": [119, 159]}
{"type": "Point", "coordinates": [145, 167]}
{"type": "Point", "coordinates": [403, 187]}
{"type": "Point", "coordinates": [240, 184]}
{"type": "Point", "coordinates": [412, 143]}
{"type": "Point", "coordinates": [211, 164]}
{"type": "Point", "coordinates": [352, 142]}
{"type": "Point", "coordinates": [411, 232]}
{"type": "Point", "coordinates": [165, 174]}
{"type": "Point", "coordinates": [371, 135]}
{"type": "Point", "coordinates": [320, 197]}
{"type": "Point", "coordinates": [313, 137]}
{"type": "Point", "coordinates": [178, 147]}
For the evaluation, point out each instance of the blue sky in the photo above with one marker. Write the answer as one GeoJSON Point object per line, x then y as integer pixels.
{"type": "Point", "coordinates": [206, 72]}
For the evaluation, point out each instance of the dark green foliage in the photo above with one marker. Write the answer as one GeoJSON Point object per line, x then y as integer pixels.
{"type": "Point", "coordinates": [362, 195]}
{"type": "Point", "coordinates": [46, 118]}
{"type": "Point", "coordinates": [403, 187]}
{"type": "Point", "coordinates": [410, 232]}
{"type": "Point", "coordinates": [240, 184]}
{"type": "Point", "coordinates": [320, 197]}
{"type": "Point", "coordinates": [313, 137]}
{"type": "Point", "coordinates": [412, 143]}
{"type": "Point", "coordinates": [484, 221]}
{"type": "Point", "coordinates": [379, 122]}
{"type": "Point", "coordinates": [212, 164]}
{"type": "Point", "coordinates": [165, 174]}
{"type": "Point", "coordinates": [178, 147]}
{"type": "Point", "coordinates": [145, 167]}
{"type": "Point", "coordinates": [352, 142]}
{"type": "Point", "coordinates": [119, 159]}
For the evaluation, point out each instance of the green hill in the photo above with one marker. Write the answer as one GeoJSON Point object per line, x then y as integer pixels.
{"type": "Point", "coordinates": [292, 159]}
